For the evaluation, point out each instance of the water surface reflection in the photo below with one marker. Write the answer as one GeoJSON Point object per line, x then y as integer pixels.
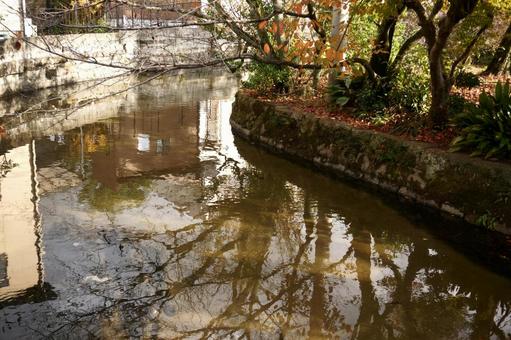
{"type": "Point", "coordinates": [155, 222]}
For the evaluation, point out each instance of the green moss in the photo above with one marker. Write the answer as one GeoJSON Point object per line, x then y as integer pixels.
{"type": "Point", "coordinates": [487, 221]}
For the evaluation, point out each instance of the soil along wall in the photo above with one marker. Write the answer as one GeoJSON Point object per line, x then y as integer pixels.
{"type": "Point", "coordinates": [27, 66]}
{"type": "Point", "coordinates": [475, 190]}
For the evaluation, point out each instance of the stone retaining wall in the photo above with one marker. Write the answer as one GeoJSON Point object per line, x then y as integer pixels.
{"type": "Point", "coordinates": [475, 190]}
{"type": "Point", "coordinates": [26, 66]}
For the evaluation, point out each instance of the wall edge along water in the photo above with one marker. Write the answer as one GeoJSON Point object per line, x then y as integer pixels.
{"type": "Point", "coordinates": [471, 189]}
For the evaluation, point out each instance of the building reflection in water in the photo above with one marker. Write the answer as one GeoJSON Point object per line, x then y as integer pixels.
{"type": "Point", "coordinates": [157, 223]}
{"type": "Point", "coordinates": [134, 143]}
{"type": "Point", "coordinates": [21, 270]}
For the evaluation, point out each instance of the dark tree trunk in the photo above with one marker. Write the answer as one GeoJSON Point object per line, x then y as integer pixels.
{"type": "Point", "coordinates": [437, 35]}
{"type": "Point", "coordinates": [440, 88]}
{"type": "Point", "coordinates": [439, 81]}
{"type": "Point", "coordinates": [500, 55]}
{"type": "Point", "coordinates": [380, 55]}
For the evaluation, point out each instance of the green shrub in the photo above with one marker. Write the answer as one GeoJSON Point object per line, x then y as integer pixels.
{"type": "Point", "coordinates": [467, 79]}
{"type": "Point", "coordinates": [486, 128]}
{"type": "Point", "coordinates": [367, 96]}
{"type": "Point", "coordinates": [372, 98]}
{"type": "Point", "coordinates": [409, 89]}
{"type": "Point", "coordinates": [410, 93]}
{"type": "Point", "coordinates": [266, 77]}
{"type": "Point", "coordinates": [340, 93]}
{"type": "Point", "coordinates": [483, 56]}
{"type": "Point", "coordinates": [457, 104]}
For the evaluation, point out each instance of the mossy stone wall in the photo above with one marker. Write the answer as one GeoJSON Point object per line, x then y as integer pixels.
{"type": "Point", "coordinates": [476, 190]}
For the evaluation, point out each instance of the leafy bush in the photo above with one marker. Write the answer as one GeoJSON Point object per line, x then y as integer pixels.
{"type": "Point", "coordinates": [404, 93]}
{"type": "Point", "coordinates": [409, 90]}
{"type": "Point", "coordinates": [467, 79]}
{"type": "Point", "coordinates": [486, 128]}
{"type": "Point", "coordinates": [341, 93]}
{"type": "Point", "coordinates": [367, 96]}
{"type": "Point", "coordinates": [482, 56]}
{"type": "Point", "coordinates": [266, 77]}
{"type": "Point", "coordinates": [372, 98]}
{"type": "Point", "coordinates": [456, 104]}
{"type": "Point", "coordinates": [410, 94]}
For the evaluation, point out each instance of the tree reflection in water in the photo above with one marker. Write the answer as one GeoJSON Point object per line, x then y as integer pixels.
{"type": "Point", "coordinates": [238, 245]}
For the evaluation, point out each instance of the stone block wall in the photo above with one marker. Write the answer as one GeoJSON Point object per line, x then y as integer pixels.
{"type": "Point", "coordinates": [26, 66]}
{"type": "Point", "coordinates": [476, 190]}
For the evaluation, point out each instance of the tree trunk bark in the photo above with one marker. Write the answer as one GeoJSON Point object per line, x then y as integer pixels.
{"type": "Point", "coordinates": [380, 54]}
{"type": "Point", "coordinates": [436, 40]}
{"type": "Point", "coordinates": [440, 81]}
{"type": "Point", "coordinates": [22, 18]}
{"type": "Point", "coordinates": [440, 88]}
{"type": "Point", "coordinates": [436, 35]}
{"type": "Point", "coordinates": [500, 55]}
{"type": "Point", "coordinates": [340, 18]}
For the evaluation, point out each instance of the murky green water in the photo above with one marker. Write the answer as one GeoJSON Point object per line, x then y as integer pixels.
{"type": "Point", "coordinates": [143, 217]}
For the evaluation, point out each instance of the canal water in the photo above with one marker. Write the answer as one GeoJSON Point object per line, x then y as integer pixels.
{"type": "Point", "coordinates": [141, 216]}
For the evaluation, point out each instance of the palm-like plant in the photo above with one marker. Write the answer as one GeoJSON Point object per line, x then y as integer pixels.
{"type": "Point", "coordinates": [486, 128]}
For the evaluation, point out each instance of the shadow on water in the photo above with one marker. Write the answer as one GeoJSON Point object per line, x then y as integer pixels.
{"type": "Point", "coordinates": [150, 220]}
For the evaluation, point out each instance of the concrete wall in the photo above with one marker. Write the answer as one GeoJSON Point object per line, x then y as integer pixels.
{"type": "Point", "coordinates": [9, 17]}
{"type": "Point", "coordinates": [477, 191]}
{"type": "Point", "coordinates": [28, 66]}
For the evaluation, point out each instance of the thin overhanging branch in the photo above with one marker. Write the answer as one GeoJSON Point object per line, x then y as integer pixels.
{"type": "Point", "coordinates": [273, 61]}
{"type": "Point", "coordinates": [404, 48]}
{"type": "Point", "coordinates": [463, 56]}
{"type": "Point", "coordinates": [250, 40]}
{"type": "Point", "coordinates": [419, 10]}
{"type": "Point", "coordinates": [436, 9]}
{"type": "Point", "coordinates": [171, 67]}
{"type": "Point", "coordinates": [195, 12]}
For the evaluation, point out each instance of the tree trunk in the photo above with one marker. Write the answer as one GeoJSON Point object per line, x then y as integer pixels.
{"type": "Point", "coordinates": [439, 80]}
{"type": "Point", "coordinates": [437, 35]}
{"type": "Point", "coordinates": [440, 88]}
{"type": "Point", "coordinates": [380, 54]}
{"type": "Point", "coordinates": [340, 18]}
{"type": "Point", "coordinates": [500, 55]}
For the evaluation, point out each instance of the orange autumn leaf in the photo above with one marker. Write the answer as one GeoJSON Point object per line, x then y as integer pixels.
{"type": "Point", "coordinates": [274, 27]}
{"type": "Point", "coordinates": [330, 55]}
{"type": "Point", "coordinates": [266, 48]}
{"type": "Point", "coordinates": [298, 9]}
{"type": "Point", "coordinates": [262, 24]}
